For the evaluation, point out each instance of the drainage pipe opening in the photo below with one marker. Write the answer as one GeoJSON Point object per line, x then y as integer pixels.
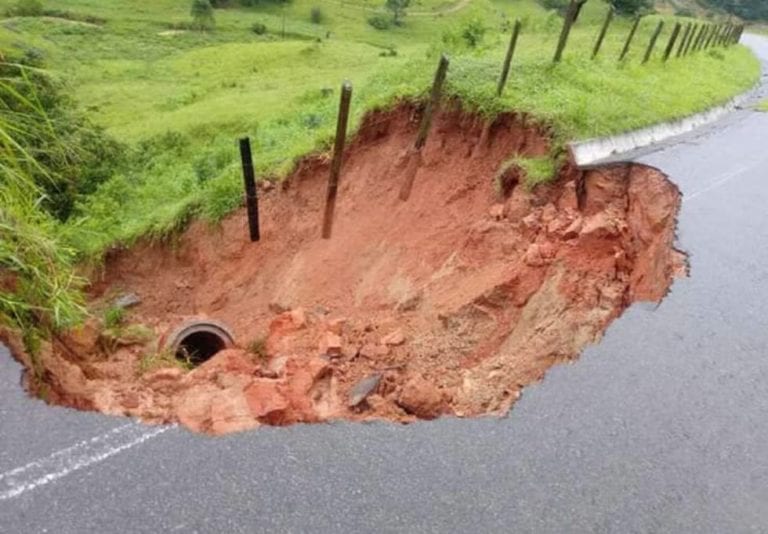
{"type": "Point", "coordinates": [198, 341]}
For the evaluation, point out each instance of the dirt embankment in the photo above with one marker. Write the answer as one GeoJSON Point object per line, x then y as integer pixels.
{"type": "Point", "coordinates": [448, 304]}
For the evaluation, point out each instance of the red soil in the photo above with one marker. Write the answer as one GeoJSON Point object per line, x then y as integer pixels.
{"type": "Point", "coordinates": [454, 300]}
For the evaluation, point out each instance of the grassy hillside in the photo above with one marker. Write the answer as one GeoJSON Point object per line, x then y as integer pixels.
{"type": "Point", "coordinates": [178, 99]}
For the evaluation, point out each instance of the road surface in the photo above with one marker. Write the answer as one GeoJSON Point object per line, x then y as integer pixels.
{"type": "Point", "coordinates": [662, 427]}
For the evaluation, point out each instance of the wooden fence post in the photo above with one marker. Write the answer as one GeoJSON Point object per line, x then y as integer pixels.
{"type": "Point", "coordinates": [338, 154]}
{"type": "Point", "coordinates": [684, 40]}
{"type": "Point", "coordinates": [652, 42]}
{"type": "Point", "coordinates": [251, 196]}
{"type": "Point", "coordinates": [570, 17]}
{"type": "Point", "coordinates": [603, 31]}
{"type": "Point", "coordinates": [691, 39]}
{"type": "Point", "coordinates": [508, 58]}
{"type": "Point", "coordinates": [630, 36]}
{"type": "Point", "coordinates": [671, 42]}
{"type": "Point", "coordinates": [426, 122]}
{"type": "Point", "coordinates": [711, 37]}
{"type": "Point", "coordinates": [699, 38]}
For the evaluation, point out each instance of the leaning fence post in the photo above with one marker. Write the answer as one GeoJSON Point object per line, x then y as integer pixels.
{"type": "Point", "coordinates": [711, 37]}
{"type": "Point", "coordinates": [338, 153]}
{"type": "Point", "coordinates": [630, 36]}
{"type": "Point", "coordinates": [251, 196]}
{"type": "Point", "coordinates": [652, 42]}
{"type": "Point", "coordinates": [691, 39]}
{"type": "Point", "coordinates": [426, 121]}
{"type": "Point", "coordinates": [726, 34]}
{"type": "Point", "coordinates": [684, 40]}
{"type": "Point", "coordinates": [603, 31]}
{"type": "Point", "coordinates": [697, 43]}
{"type": "Point", "coordinates": [739, 34]}
{"type": "Point", "coordinates": [704, 37]}
{"type": "Point", "coordinates": [570, 18]}
{"type": "Point", "coordinates": [508, 58]}
{"type": "Point", "coordinates": [671, 42]}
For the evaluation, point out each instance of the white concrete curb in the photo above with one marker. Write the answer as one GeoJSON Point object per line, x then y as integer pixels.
{"type": "Point", "coordinates": [593, 150]}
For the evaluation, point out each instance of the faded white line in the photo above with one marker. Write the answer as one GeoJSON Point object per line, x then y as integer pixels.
{"type": "Point", "coordinates": [61, 463]}
{"type": "Point", "coordinates": [717, 183]}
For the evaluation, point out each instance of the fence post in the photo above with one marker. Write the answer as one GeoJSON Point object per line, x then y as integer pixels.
{"type": "Point", "coordinates": [652, 42]}
{"type": "Point", "coordinates": [704, 37]}
{"type": "Point", "coordinates": [426, 122]}
{"type": "Point", "coordinates": [672, 40]}
{"type": "Point", "coordinates": [630, 36]}
{"type": "Point", "coordinates": [684, 40]}
{"type": "Point", "coordinates": [691, 39]}
{"type": "Point", "coordinates": [570, 17]}
{"type": "Point", "coordinates": [699, 38]}
{"type": "Point", "coordinates": [251, 196]}
{"type": "Point", "coordinates": [603, 31]}
{"type": "Point", "coordinates": [711, 37]}
{"type": "Point", "coordinates": [338, 154]}
{"type": "Point", "coordinates": [508, 58]}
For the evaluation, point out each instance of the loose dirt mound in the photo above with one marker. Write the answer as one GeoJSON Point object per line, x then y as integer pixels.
{"type": "Point", "coordinates": [449, 303]}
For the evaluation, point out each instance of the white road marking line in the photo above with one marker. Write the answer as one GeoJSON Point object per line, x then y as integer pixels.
{"type": "Point", "coordinates": [61, 463]}
{"type": "Point", "coordinates": [717, 183]}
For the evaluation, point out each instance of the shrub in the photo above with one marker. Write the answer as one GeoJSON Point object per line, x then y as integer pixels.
{"type": "Point", "coordinates": [473, 32]}
{"type": "Point", "coordinates": [27, 8]}
{"type": "Point", "coordinates": [202, 15]}
{"type": "Point", "coordinates": [380, 22]}
{"type": "Point", "coordinates": [259, 28]}
{"type": "Point", "coordinates": [397, 7]}
{"type": "Point", "coordinates": [316, 15]}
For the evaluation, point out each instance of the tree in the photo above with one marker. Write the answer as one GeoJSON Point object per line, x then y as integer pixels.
{"type": "Point", "coordinates": [631, 7]}
{"type": "Point", "coordinates": [397, 7]}
{"type": "Point", "coordinates": [202, 15]}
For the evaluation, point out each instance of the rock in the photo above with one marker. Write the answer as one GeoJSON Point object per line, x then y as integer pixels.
{"type": "Point", "coordinates": [278, 307]}
{"type": "Point", "coordinates": [532, 222]}
{"type": "Point", "coordinates": [230, 361]}
{"type": "Point", "coordinates": [277, 365]}
{"type": "Point", "coordinates": [265, 401]}
{"type": "Point", "coordinates": [573, 229]}
{"type": "Point", "coordinates": [299, 318]}
{"type": "Point", "coordinates": [410, 303]}
{"type": "Point", "coordinates": [363, 389]}
{"type": "Point", "coordinates": [600, 225]}
{"type": "Point", "coordinates": [421, 398]}
{"type": "Point", "coordinates": [533, 256]}
{"type": "Point", "coordinates": [127, 301]}
{"type": "Point", "coordinates": [230, 412]}
{"type": "Point", "coordinates": [497, 212]}
{"type": "Point", "coordinates": [331, 344]}
{"type": "Point", "coordinates": [84, 339]}
{"type": "Point", "coordinates": [165, 379]}
{"type": "Point", "coordinates": [337, 325]}
{"type": "Point", "coordinates": [371, 351]}
{"type": "Point", "coordinates": [266, 185]}
{"type": "Point", "coordinates": [394, 338]}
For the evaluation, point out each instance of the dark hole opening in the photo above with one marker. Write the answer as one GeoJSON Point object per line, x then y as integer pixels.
{"type": "Point", "coordinates": [199, 347]}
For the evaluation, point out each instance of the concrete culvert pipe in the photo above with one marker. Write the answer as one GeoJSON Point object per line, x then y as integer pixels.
{"type": "Point", "coordinates": [197, 340]}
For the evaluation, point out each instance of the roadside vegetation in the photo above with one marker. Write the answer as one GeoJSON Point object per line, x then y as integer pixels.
{"type": "Point", "coordinates": [120, 116]}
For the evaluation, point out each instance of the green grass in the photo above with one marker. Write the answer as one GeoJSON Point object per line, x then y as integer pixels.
{"type": "Point", "coordinates": [180, 100]}
{"type": "Point", "coordinates": [763, 106]}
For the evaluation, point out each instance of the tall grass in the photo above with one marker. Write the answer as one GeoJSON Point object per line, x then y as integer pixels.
{"type": "Point", "coordinates": [39, 290]}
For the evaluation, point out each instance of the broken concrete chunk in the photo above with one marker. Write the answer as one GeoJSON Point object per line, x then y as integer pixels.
{"type": "Point", "coordinates": [127, 301]}
{"type": "Point", "coordinates": [363, 389]}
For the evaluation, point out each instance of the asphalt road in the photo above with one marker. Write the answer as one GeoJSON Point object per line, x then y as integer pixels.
{"type": "Point", "coordinates": [662, 427]}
